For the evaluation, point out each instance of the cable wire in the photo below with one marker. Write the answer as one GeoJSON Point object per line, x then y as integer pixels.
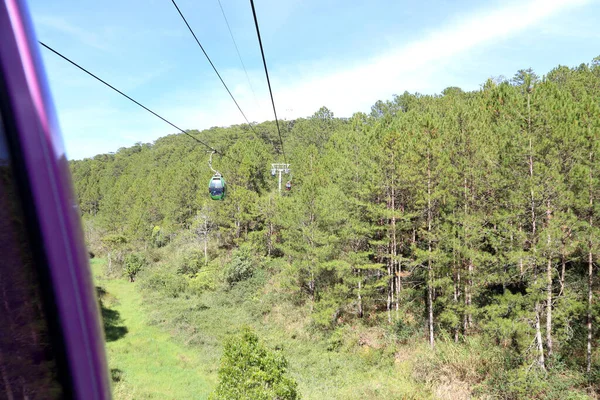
{"type": "Point", "coordinates": [267, 74]}
{"type": "Point", "coordinates": [133, 100]}
{"type": "Point", "coordinates": [213, 66]}
{"type": "Point", "coordinates": [238, 53]}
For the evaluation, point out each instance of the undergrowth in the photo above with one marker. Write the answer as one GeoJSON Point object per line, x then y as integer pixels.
{"type": "Point", "coordinates": [201, 306]}
{"type": "Point", "coordinates": [362, 367]}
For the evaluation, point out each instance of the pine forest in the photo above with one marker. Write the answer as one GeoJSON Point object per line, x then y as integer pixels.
{"type": "Point", "coordinates": [440, 246]}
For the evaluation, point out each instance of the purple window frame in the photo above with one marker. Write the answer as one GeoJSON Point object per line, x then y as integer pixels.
{"type": "Point", "coordinates": [49, 182]}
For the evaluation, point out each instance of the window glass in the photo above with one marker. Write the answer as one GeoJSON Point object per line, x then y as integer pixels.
{"type": "Point", "coordinates": [216, 183]}
{"type": "Point", "coordinates": [27, 364]}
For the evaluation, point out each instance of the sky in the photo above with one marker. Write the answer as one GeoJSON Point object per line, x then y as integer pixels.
{"type": "Point", "coordinates": [341, 54]}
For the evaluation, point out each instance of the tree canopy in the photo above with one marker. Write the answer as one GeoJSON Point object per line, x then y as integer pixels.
{"type": "Point", "coordinates": [460, 214]}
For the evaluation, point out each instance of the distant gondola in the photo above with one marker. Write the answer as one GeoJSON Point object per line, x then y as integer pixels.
{"type": "Point", "coordinates": [217, 187]}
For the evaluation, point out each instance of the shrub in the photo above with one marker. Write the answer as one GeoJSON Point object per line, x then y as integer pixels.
{"type": "Point", "coordinates": [249, 370]}
{"type": "Point", "coordinates": [158, 238]}
{"type": "Point", "coordinates": [168, 284]}
{"type": "Point", "coordinates": [335, 340]}
{"type": "Point", "coordinates": [155, 255]}
{"type": "Point", "coordinates": [115, 246]}
{"type": "Point", "coordinates": [403, 331]}
{"type": "Point", "coordinates": [326, 312]}
{"type": "Point", "coordinates": [240, 268]}
{"type": "Point", "coordinates": [527, 383]}
{"type": "Point", "coordinates": [134, 263]}
{"type": "Point", "coordinates": [202, 281]}
{"type": "Point", "coordinates": [191, 262]}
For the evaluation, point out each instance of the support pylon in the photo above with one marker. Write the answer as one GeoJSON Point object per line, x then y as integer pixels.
{"type": "Point", "coordinates": [280, 169]}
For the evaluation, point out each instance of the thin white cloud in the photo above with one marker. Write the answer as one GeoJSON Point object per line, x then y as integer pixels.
{"type": "Point", "coordinates": [300, 90]}
{"type": "Point", "coordinates": [59, 24]}
{"type": "Point", "coordinates": [410, 67]}
{"type": "Point", "coordinates": [144, 78]}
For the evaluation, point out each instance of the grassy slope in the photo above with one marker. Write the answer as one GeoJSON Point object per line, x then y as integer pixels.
{"type": "Point", "coordinates": [144, 359]}
{"type": "Point", "coordinates": [172, 347]}
{"type": "Point", "coordinates": [358, 373]}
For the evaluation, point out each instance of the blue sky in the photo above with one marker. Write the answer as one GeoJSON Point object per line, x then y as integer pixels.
{"type": "Point", "coordinates": [342, 54]}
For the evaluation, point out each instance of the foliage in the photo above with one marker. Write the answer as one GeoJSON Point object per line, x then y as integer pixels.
{"type": "Point", "coordinates": [204, 280]}
{"type": "Point", "coordinates": [249, 370]}
{"type": "Point", "coordinates": [134, 263]}
{"type": "Point", "coordinates": [403, 330]}
{"type": "Point", "coordinates": [191, 262]}
{"type": "Point", "coordinates": [115, 246]}
{"type": "Point", "coordinates": [240, 268]}
{"type": "Point", "coordinates": [171, 285]}
{"type": "Point", "coordinates": [452, 217]}
{"type": "Point", "coordinates": [158, 239]}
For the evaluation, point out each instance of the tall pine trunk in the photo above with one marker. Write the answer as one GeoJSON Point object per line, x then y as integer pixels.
{"type": "Point", "coordinates": [456, 267]}
{"type": "Point", "coordinates": [390, 291]}
{"type": "Point", "coordinates": [549, 304]}
{"type": "Point", "coordinates": [468, 296]}
{"type": "Point", "coordinates": [429, 265]}
{"type": "Point", "coordinates": [395, 276]}
{"type": "Point", "coordinates": [563, 264]}
{"type": "Point", "coordinates": [590, 271]}
{"type": "Point", "coordinates": [537, 310]}
{"type": "Point", "coordinates": [467, 323]}
{"type": "Point", "coordinates": [360, 304]}
{"type": "Point", "coordinates": [392, 303]}
{"type": "Point", "coordinates": [538, 337]}
{"type": "Point", "coordinates": [549, 287]}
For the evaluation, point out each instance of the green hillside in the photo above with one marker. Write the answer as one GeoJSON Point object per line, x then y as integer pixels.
{"type": "Point", "coordinates": [144, 362]}
{"type": "Point", "coordinates": [441, 246]}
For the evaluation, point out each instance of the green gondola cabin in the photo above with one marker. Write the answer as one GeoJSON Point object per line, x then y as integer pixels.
{"type": "Point", "coordinates": [217, 187]}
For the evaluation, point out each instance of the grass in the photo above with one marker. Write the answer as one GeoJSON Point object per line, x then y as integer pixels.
{"type": "Point", "coordinates": [203, 322]}
{"type": "Point", "coordinates": [164, 347]}
{"type": "Point", "coordinates": [167, 344]}
{"type": "Point", "coordinates": [145, 361]}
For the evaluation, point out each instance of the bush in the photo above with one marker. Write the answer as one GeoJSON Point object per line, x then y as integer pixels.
{"type": "Point", "coordinates": [240, 268]}
{"type": "Point", "coordinates": [326, 312]}
{"type": "Point", "coordinates": [171, 285]}
{"type": "Point", "coordinates": [116, 247]}
{"type": "Point", "coordinates": [335, 340]}
{"type": "Point", "coordinates": [191, 262]}
{"type": "Point", "coordinates": [158, 238]}
{"type": "Point", "coordinates": [155, 255]}
{"type": "Point", "coordinates": [526, 383]}
{"type": "Point", "coordinates": [249, 370]}
{"type": "Point", "coordinates": [134, 263]}
{"type": "Point", "coordinates": [202, 281]}
{"type": "Point", "coordinates": [403, 331]}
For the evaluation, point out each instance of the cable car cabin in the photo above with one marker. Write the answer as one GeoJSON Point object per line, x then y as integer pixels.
{"type": "Point", "coordinates": [288, 186]}
{"type": "Point", "coordinates": [217, 187]}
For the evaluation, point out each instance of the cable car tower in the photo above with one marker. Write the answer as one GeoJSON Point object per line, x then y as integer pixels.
{"type": "Point", "coordinates": [278, 169]}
